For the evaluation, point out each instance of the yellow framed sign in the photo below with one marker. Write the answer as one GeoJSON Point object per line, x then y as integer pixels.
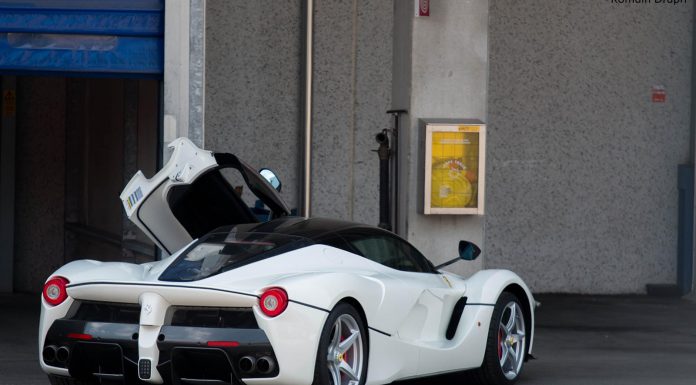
{"type": "Point", "coordinates": [454, 168]}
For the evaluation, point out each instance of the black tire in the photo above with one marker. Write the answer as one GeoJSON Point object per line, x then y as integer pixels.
{"type": "Point", "coordinates": [491, 371]}
{"type": "Point", "coordinates": [322, 375]}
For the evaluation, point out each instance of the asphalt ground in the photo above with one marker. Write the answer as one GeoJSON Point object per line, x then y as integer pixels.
{"type": "Point", "coordinates": [579, 340]}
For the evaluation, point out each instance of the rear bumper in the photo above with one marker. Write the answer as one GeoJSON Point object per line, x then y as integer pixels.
{"type": "Point", "coordinates": [292, 338]}
{"type": "Point", "coordinates": [109, 351]}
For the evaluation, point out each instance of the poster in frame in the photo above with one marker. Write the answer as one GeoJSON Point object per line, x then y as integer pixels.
{"type": "Point", "coordinates": [454, 168]}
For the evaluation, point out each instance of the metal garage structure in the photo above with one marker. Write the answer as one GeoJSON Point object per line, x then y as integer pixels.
{"type": "Point", "coordinates": [81, 37]}
{"type": "Point", "coordinates": [72, 39]}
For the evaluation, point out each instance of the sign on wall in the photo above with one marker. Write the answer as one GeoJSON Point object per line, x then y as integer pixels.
{"type": "Point", "coordinates": [422, 8]}
{"type": "Point", "coordinates": [454, 168]}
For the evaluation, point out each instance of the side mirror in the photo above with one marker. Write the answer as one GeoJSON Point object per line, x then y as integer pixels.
{"type": "Point", "coordinates": [271, 177]}
{"type": "Point", "coordinates": [468, 251]}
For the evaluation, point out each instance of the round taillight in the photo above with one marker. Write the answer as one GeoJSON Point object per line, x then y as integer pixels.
{"type": "Point", "coordinates": [273, 301]}
{"type": "Point", "coordinates": [54, 292]}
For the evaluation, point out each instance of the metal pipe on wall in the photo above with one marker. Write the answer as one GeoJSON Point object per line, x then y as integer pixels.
{"type": "Point", "coordinates": [308, 91]}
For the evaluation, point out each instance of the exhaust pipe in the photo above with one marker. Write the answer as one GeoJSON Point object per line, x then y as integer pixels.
{"type": "Point", "coordinates": [62, 354]}
{"type": "Point", "coordinates": [49, 353]}
{"type": "Point", "coordinates": [247, 364]}
{"type": "Point", "coordinates": [265, 365]}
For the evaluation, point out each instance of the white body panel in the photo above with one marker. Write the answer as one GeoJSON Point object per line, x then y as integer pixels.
{"type": "Point", "coordinates": [187, 162]}
{"type": "Point", "coordinates": [407, 312]}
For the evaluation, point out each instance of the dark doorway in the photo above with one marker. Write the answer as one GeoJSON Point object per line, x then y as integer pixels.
{"type": "Point", "coordinates": [78, 141]}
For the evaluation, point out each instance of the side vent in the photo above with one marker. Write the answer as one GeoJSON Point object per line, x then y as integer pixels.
{"type": "Point", "coordinates": [456, 317]}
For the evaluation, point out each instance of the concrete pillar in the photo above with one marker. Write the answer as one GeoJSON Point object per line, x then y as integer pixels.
{"type": "Point", "coordinates": [184, 64]}
{"type": "Point", "coordinates": [448, 79]}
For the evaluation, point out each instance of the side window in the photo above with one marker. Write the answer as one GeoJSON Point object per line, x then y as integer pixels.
{"type": "Point", "coordinates": [389, 251]}
{"type": "Point", "coordinates": [335, 240]}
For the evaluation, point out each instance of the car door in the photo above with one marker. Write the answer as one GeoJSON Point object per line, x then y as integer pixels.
{"type": "Point", "coordinates": [424, 297]}
{"type": "Point", "coordinates": [192, 195]}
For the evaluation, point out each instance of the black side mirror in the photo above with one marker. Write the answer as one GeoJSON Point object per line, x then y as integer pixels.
{"type": "Point", "coordinates": [271, 177]}
{"type": "Point", "coordinates": [468, 251]}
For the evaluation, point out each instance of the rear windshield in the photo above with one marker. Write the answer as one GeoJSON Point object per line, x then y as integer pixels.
{"type": "Point", "coordinates": [220, 252]}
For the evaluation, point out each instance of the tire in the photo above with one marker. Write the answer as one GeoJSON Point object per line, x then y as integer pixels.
{"type": "Point", "coordinates": [506, 346]}
{"type": "Point", "coordinates": [349, 350]}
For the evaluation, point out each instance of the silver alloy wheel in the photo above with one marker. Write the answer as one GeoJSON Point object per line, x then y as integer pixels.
{"type": "Point", "coordinates": [346, 352]}
{"type": "Point", "coordinates": [512, 340]}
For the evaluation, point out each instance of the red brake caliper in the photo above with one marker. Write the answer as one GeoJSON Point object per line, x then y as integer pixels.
{"type": "Point", "coordinates": [345, 355]}
{"type": "Point", "coordinates": [500, 343]}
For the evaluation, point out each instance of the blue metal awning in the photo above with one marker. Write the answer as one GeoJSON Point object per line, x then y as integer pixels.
{"type": "Point", "coordinates": [82, 37]}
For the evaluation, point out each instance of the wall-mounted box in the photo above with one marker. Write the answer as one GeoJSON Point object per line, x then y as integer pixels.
{"type": "Point", "coordinates": [455, 156]}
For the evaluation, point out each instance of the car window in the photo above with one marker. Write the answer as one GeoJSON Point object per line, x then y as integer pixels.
{"type": "Point", "coordinates": [223, 251]}
{"type": "Point", "coordinates": [389, 251]}
{"type": "Point", "coordinates": [335, 240]}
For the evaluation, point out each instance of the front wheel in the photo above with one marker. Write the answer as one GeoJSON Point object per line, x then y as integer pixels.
{"type": "Point", "coordinates": [506, 348]}
{"type": "Point", "coordinates": [343, 350]}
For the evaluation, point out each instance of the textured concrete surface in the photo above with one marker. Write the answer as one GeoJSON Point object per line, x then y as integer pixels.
{"type": "Point", "coordinates": [579, 341]}
{"type": "Point", "coordinates": [40, 178]}
{"type": "Point", "coordinates": [252, 95]}
{"type": "Point", "coordinates": [352, 85]}
{"type": "Point", "coordinates": [334, 113]}
{"type": "Point", "coordinates": [582, 167]}
{"type": "Point", "coordinates": [19, 327]}
{"type": "Point", "coordinates": [449, 74]}
{"type": "Point", "coordinates": [373, 78]}
{"type": "Point", "coordinates": [197, 11]}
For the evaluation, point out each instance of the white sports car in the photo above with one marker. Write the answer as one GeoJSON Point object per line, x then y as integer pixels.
{"type": "Point", "coordinates": [286, 301]}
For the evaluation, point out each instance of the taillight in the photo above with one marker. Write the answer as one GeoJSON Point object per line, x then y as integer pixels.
{"type": "Point", "coordinates": [80, 336]}
{"type": "Point", "coordinates": [223, 344]}
{"type": "Point", "coordinates": [54, 291]}
{"type": "Point", "coordinates": [273, 301]}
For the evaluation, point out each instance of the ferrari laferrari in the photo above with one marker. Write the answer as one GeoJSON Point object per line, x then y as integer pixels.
{"type": "Point", "coordinates": [246, 293]}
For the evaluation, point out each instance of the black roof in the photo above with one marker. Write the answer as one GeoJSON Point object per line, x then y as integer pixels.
{"type": "Point", "coordinates": [315, 229]}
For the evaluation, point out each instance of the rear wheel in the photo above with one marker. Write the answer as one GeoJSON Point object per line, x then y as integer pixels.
{"type": "Point", "coordinates": [343, 350]}
{"type": "Point", "coordinates": [506, 348]}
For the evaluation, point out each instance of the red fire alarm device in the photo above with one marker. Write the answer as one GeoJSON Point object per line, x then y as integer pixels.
{"type": "Point", "coordinates": [659, 95]}
{"type": "Point", "coordinates": [422, 8]}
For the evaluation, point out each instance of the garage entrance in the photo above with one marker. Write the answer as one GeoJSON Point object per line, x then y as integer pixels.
{"type": "Point", "coordinates": [81, 114]}
{"type": "Point", "coordinates": [78, 141]}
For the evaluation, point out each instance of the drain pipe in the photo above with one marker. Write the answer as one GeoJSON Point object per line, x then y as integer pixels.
{"type": "Point", "coordinates": [384, 154]}
{"type": "Point", "coordinates": [394, 190]}
{"type": "Point", "coordinates": [307, 162]}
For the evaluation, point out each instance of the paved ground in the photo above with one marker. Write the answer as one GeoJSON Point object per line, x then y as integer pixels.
{"type": "Point", "coordinates": [580, 340]}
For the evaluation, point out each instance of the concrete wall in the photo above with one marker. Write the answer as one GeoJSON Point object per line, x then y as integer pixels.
{"type": "Point", "coordinates": [582, 167]}
{"type": "Point", "coordinates": [40, 188]}
{"type": "Point", "coordinates": [252, 96]}
{"type": "Point", "coordinates": [254, 102]}
{"type": "Point", "coordinates": [448, 80]}
{"type": "Point", "coordinates": [352, 91]}
{"type": "Point", "coordinates": [581, 180]}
